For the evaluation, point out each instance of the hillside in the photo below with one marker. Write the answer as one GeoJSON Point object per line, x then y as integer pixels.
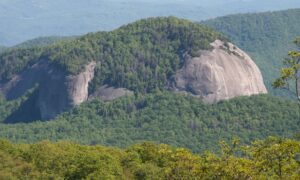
{"type": "Point", "coordinates": [267, 37]}
{"type": "Point", "coordinates": [178, 120]}
{"type": "Point", "coordinates": [23, 20]}
{"type": "Point", "coordinates": [142, 61]}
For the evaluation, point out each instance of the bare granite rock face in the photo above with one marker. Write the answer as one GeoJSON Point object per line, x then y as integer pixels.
{"type": "Point", "coordinates": [107, 93]}
{"type": "Point", "coordinates": [223, 73]}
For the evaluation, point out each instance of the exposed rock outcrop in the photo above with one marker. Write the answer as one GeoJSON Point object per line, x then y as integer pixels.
{"type": "Point", "coordinates": [60, 92]}
{"type": "Point", "coordinates": [57, 91]}
{"type": "Point", "coordinates": [223, 73]}
{"type": "Point", "coordinates": [107, 93]}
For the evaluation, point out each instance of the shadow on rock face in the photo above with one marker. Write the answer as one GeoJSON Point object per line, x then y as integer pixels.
{"type": "Point", "coordinates": [27, 112]}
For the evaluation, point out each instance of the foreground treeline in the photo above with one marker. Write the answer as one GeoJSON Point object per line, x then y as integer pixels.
{"type": "Point", "coordinates": [273, 158]}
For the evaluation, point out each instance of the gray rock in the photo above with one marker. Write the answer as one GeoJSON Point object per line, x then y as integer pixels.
{"type": "Point", "coordinates": [24, 81]}
{"type": "Point", "coordinates": [223, 73]}
{"type": "Point", "coordinates": [107, 93]}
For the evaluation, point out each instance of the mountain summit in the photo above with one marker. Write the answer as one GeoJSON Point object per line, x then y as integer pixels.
{"type": "Point", "coordinates": [151, 54]}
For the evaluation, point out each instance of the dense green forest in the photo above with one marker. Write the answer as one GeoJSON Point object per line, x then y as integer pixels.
{"type": "Point", "coordinates": [267, 37]}
{"type": "Point", "coordinates": [163, 117]}
{"type": "Point", "coordinates": [273, 158]}
{"type": "Point", "coordinates": [37, 42]}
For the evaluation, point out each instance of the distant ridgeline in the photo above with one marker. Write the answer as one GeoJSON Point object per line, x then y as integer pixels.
{"type": "Point", "coordinates": [267, 37]}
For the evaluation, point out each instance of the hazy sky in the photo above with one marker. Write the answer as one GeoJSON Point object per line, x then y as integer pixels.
{"type": "Point", "coordinates": [21, 20]}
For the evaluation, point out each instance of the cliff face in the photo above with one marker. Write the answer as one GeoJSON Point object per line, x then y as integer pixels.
{"type": "Point", "coordinates": [60, 92]}
{"type": "Point", "coordinates": [57, 92]}
{"type": "Point", "coordinates": [223, 73]}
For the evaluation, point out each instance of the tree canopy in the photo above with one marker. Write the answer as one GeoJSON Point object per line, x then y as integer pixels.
{"type": "Point", "coordinates": [273, 158]}
{"type": "Point", "coordinates": [163, 117]}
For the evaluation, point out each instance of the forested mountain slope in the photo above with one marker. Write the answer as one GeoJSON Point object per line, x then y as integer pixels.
{"type": "Point", "coordinates": [267, 37]}
{"type": "Point", "coordinates": [174, 119]}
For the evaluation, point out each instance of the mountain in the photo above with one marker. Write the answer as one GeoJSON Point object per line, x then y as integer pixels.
{"type": "Point", "coordinates": [139, 82]}
{"type": "Point", "coordinates": [151, 54]}
{"type": "Point", "coordinates": [23, 20]}
{"type": "Point", "coordinates": [267, 37]}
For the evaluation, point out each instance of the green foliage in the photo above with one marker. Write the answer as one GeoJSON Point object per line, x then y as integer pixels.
{"type": "Point", "coordinates": [15, 60]}
{"type": "Point", "coordinates": [9, 107]}
{"type": "Point", "coordinates": [265, 36]}
{"type": "Point", "coordinates": [42, 41]}
{"type": "Point", "coordinates": [164, 117]}
{"type": "Point", "coordinates": [290, 73]}
{"type": "Point", "coordinates": [273, 158]}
